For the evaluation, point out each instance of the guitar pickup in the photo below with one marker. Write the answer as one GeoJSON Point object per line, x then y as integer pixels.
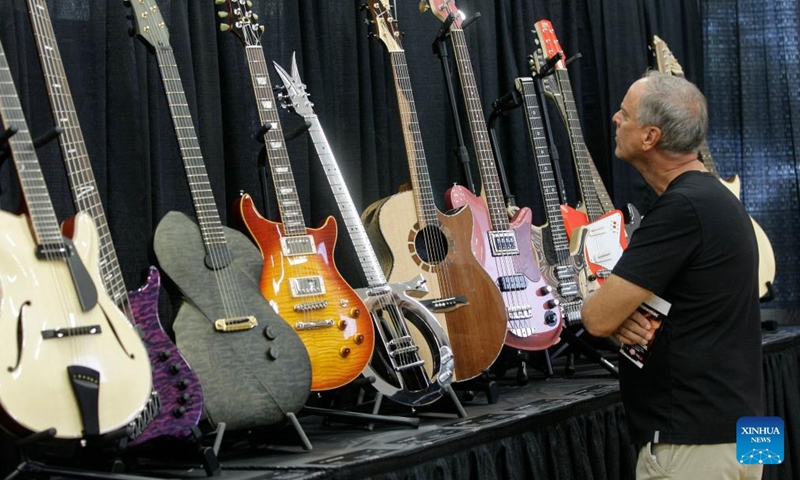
{"type": "Point", "coordinates": [307, 286]}
{"type": "Point", "coordinates": [314, 325]}
{"type": "Point", "coordinates": [235, 324]}
{"type": "Point", "coordinates": [308, 306]}
{"type": "Point", "coordinates": [503, 243]}
{"type": "Point", "coordinates": [512, 283]}
{"type": "Point", "coordinates": [603, 273]}
{"type": "Point", "coordinates": [568, 289]}
{"type": "Point", "coordinates": [445, 304]}
{"type": "Point", "coordinates": [299, 245]}
{"type": "Point", "coordinates": [520, 312]}
{"type": "Point", "coordinates": [71, 332]}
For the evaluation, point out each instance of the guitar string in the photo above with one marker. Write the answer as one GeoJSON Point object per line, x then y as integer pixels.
{"type": "Point", "coordinates": [505, 265]}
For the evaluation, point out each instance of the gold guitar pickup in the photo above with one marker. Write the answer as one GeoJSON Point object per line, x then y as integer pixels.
{"type": "Point", "coordinates": [235, 324]}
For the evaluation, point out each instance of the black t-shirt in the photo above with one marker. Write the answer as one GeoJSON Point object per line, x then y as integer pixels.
{"type": "Point", "coordinates": [696, 249]}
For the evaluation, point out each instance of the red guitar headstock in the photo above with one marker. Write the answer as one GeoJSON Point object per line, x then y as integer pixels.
{"type": "Point", "coordinates": [238, 17]}
{"type": "Point", "coordinates": [443, 9]}
{"type": "Point", "coordinates": [548, 43]}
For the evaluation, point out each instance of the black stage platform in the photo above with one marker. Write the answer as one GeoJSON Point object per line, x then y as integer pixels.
{"type": "Point", "coordinates": [557, 428]}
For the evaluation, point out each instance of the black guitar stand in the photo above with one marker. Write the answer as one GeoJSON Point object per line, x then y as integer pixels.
{"type": "Point", "coordinates": [198, 448]}
{"type": "Point", "coordinates": [440, 49]}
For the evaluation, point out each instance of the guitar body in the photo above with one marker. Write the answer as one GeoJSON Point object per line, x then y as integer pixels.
{"type": "Point", "coordinates": [174, 380]}
{"type": "Point", "coordinates": [249, 377]}
{"type": "Point", "coordinates": [340, 349]}
{"type": "Point", "coordinates": [766, 256]}
{"type": "Point", "coordinates": [534, 332]}
{"type": "Point", "coordinates": [603, 240]}
{"type": "Point", "coordinates": [36, 296]}
{"type": "Point", "coordinates": [476, 330]}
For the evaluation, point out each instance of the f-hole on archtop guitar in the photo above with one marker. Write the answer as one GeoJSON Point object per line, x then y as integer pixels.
{"type": "Point", "coordinates": [603, 225]}
{"type": "Point", "coordinates": [422, 240]}
{"type": "Point", "coordinates": [254, 369]}
{"type": "Point", "coordinates": [299, 277]}
{"type": "Point", "coordinates": [667, 63]}
{"type": "Point", "coordinates": [179, 395]}
{"type": "Point", "coordinates": [69, 358]}
{"type": "Point", "coordinates": [400, 372]}
{"type": "Point", "coordinates": [504, 249]}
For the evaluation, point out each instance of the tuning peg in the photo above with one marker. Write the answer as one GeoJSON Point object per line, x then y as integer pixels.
{"type": "Point", "coordinates": [423, 6]}
{"type": "Point", "coordinates": [221, 14]}
{"type": "Point", "coordinates": [255, 16]}
{"type": "Point", "coordinates": [249, 4]}
{"type": "Point", "coordinates": [261, 28]}
{"type": "Point", "coordinates": [224, 27]}
{"type": "Point", "coordinates": [362, 7]}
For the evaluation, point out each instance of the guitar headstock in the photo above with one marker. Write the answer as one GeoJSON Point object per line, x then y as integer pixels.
{"type": "Point", "coordinates": [148, 23]}
{"type": "Point", "coordinates": [547, 42]}
{"type": "Point", "coordinates": [295, 95]}
{"type": "Point", "coordinates": [549, 82]}
{"type": "Point", "coordinates": [443, 9]}
{"type": "Point", "coordinates": [238, 17]}
{"type": "Point", "coordinates": [385, 25]}
{"type": "Point", "coordinates": [665, 60]}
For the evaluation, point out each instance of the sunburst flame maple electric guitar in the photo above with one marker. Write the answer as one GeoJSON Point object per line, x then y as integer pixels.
{"type": "Point", "coordinates": [177, 402]}
{"type": "Point", "coordinates": [667, 63]}
{"type": "Point", "coordinates": [603, 225]}
{"type": "Point", "coordinates": [299, 277]}
{"type": "Point", "coordinates": [422, 240]}
{"type": "Point", "coordinates": [69, 358]}
{"type": "Point", "coordinates": [503, 248]}
{"type": "Point", "coordinates": [399, 371]}
{"type": "Point", "coordinates": [254, 369]}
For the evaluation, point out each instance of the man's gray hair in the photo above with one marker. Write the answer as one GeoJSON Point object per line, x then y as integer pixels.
{"type": "Point", "coordinates": [677, 107]}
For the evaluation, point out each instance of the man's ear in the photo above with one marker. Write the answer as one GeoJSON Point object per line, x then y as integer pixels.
{"type": "Point", "coordinates": [651, 138]}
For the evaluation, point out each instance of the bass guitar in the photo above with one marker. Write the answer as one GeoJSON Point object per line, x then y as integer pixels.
{"type": "Point", "coordinates": [399, 371]}
{"type": "Point", "coordinates": [667, 63]}
{"type": "Point", "coordinates": [503, 248]}
{"type": "Point", "coordinates": [419, 239]}
{"type": "Point", "coordinates": [177, 401]}
{"type": "Point", "coordinates": [253, 367]}
{"type": "Point", "coordinates": [607, 232]}
{"type": "Point", "coordinates": [299, 277]}
{"type": "Point", "coordinates": [70, 359]}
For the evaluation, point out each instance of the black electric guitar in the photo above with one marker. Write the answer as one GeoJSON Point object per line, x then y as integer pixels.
{"type": "Point", "coordinates": [399, 371]}
{"type": "Point", "coordinates": [667, 63]}
{"type": "Point", "coordinates": [69, 359]}
{"type": "Point", "coordinates": [177, 402]}
{"type": "Point", "coordinates": [253, 367]}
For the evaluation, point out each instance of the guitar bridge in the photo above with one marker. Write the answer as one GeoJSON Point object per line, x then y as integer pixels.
{"type": "Point", "coordinates": [445, 304]}
{"type": "Point", "coordinates": [300, 245]}
{"type": "Point", "coordinates": [503, 243]}
{"type": "Point", "coordinates": [520, 312]}
{"type": "Point", "coordinates": [308, 306]}
{"type": "Point", "coordinates": [316, 325]}
{"type": "Point", "coordinates": [71, 332]}
{"type": "Point", "coordinates": [235, 324]}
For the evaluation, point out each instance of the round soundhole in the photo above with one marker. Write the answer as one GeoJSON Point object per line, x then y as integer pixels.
{"type": "Point", "coordinates": [431, 245]}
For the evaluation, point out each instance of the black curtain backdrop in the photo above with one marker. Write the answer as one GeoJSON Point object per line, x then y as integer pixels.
{"type": "Point", "coordinates": [126, 123]}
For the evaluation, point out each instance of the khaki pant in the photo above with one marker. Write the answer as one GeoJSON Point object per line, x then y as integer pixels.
{"type": "Point", "coordinates": [693, 462]}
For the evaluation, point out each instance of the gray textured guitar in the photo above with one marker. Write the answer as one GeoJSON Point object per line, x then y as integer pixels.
{"type": "Point", "coordinates": [253, 367]}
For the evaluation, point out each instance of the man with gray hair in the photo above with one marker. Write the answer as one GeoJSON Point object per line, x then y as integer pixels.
{"type": "Point", "coordinates": [696, 250]}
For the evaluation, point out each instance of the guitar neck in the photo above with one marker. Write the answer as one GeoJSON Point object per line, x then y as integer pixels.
{"type": "Point", "coordinates": [366, 254]}
{"type": "Point", "coordinates": [418, 168]}
{"type": "Point", "coordinates": [199, 185]}
{"type": "Point", "coordinates": [73, 148]}
{"type": "Point", "coordinates": [34, 190]}
{"type": "Point", "coordinates": [544, 165]}
{"type": "Point", "coordinates": [708, 161]}
{"type": "Point", "coordinates": [280, 166]}
{"type": "Point", "coordinates": [594, 193]}
{"type": "Point", "coordinates": [480, 134]}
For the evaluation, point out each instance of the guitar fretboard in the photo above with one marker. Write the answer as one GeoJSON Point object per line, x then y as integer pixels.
{"type": "Point", "coordinates": [202, 196]}
{"type": "Point", "coordinates": [34, 189]}
{"type": "Point", "coordinates": [544, 165]}
{"type": "Point", "coordinates": [280, 166]}
{"type": "Point", "coordinates": [420, 178]}
{"type": "Point", "coordinates": [73, 147]}
{"type": "Point", "coordinates": [366, 254]}
{"type": "Point", "coordinates": [480, 136]}
{"type": "Point", "coordinates": [590, 182]}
